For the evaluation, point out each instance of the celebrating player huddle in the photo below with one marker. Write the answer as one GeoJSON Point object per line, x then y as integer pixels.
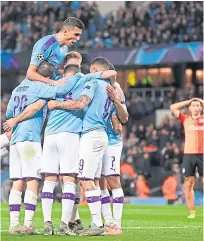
{"type": "Point", "coordinates": [82, 137]}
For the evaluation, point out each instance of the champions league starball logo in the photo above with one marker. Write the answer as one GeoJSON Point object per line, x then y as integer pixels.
{"type": "Point", "coordinates": [40, 57]}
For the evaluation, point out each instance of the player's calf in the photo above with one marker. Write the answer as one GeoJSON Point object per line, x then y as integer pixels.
{"type": "Point", "coordinates": [30, 202]}
{"type": "Point", "coordinates": [75, 222]}
{"type": "Point", "coordinates": [94, 201]}
{"type": "Point", "coordinates": [189, 193]}
{"type": "Point", "coordinates": [68, 198]}
{"type": "Point", "coordinates": [114, 182]}
{"type": "Point", "coordinates": [105, 203]}
{"type": "Point", "coordinates": [47, 197]}
{"type": "Point", "coordinates": [15, 200]}
{"type": "Point", "coordinates": [118, 199]}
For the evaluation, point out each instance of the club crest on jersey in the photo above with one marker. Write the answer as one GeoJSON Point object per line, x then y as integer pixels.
{"type": "Point", "coordinates": [40, 57]}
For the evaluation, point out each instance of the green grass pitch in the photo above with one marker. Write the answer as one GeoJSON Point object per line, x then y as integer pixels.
{"type": "Point", "coordinates": [141, 223]}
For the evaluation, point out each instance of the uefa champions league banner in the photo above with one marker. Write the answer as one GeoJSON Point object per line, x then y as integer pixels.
{"type": "Point", "coordinates": [152, 54]}
{"type": "Point", "coordinates": [173, 53]}
{"type": "Point", "coordinates": [146, 55]}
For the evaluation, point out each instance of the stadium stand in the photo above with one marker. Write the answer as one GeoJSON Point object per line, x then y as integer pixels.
{"type": "Point", "coordinates": [127, 27]}
{"type": "Point", "coordinates": [148, 149]}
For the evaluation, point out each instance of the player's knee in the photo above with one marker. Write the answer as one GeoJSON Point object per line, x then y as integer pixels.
{"type": "Point", "coordinates": [32, 184]}
{"type": "Point", "coordinates": [68, 179]}
{"type": "Point", "coordinates": [51, 178]}
{"type": "Point", "coordinates": [87, 185]}
{"type": "Point", "coordinates": [114, 182]}
{"type": "Point", "coordinates": [18, 185]}
{"type": "Point", "coordinates": [96, 182]}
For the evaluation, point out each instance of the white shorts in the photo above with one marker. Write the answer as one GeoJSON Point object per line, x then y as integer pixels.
{"type": "Point", "coordinates": [25, 159]}
{"type": "Point", "coordinates": [111, 160]}
{"type": "Point", "coordinates": [61, 154]}
{"type": "Point", "coordinates": [92, 149]}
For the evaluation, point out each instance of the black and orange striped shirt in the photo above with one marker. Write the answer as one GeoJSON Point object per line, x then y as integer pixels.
{"type": "Point", "coordinates": [194, 131]}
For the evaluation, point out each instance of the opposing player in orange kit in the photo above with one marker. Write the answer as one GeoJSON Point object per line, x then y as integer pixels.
{"type": "Point", "coordinates": [193, 124]}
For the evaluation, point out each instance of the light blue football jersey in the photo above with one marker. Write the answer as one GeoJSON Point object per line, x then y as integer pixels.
{"type": "Point", "coordinates": [48, 49]}
{"type": "Point", "coordinates": [23, 95]}
{"type": "Point", "coordinates": [69, 120]}
{"type": "Point", "coordinates": [98, 111]}
{"type": "Point", "coordinates": [113, 137]}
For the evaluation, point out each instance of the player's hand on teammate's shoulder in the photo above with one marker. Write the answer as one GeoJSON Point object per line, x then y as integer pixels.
{"type": "Point", "coordinates": [111, 92]}
{"type": "Point", "coordinates": [52, 104]}
{"type": "Point", "coordinates": [9, 124]}
{"type": "Point", "coordinates": [120, 92]}
{"type": "Point", "coordinates": [115, 93]}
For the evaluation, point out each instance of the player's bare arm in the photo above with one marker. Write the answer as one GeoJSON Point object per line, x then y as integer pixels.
{"type": "Point", "coordinates": [33, 75]}
{"type": "Point", "coordinates": [175, 108]}
{"type": "Point", "coordinates": [121, 111]}
{"type": "Point", "coordinates": [116, 124]}
{"type": "Point", "coordinates": [78, 104]}
{"type": "Point", "coordinates": [111, 75]}
{"type": "Point", "coordinates": [29, 111]}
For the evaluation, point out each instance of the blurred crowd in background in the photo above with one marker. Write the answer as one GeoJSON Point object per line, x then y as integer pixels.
{"type": "Point", "coordinates": [23, 23]}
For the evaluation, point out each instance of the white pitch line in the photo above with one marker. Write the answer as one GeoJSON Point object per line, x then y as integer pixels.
{"type": "Point", "coordinates": [162, 227]}
{"type": "Point", "coordinates": [184, 227]}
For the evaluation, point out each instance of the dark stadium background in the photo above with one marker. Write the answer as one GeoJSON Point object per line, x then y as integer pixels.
{"type": "Point", "coordinates": [157, 50]}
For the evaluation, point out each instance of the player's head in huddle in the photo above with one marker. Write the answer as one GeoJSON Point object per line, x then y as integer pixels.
{"type": "Point", "coordinates": [46, 69]}
{"type": "Point", "coordinates": [71, 31]}
{"type": "Point", "coordinates": [195, 107]}
{"type": "Point", "coordinates": [72, 57]}
{"type": "Point", "coordinates": [111, 66]}
{"type": "Point", "coordinates": [99, 64]}
{"type": "Point", "coordinates": [71, 70]}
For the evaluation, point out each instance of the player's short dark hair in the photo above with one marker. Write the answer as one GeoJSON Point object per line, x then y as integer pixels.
{"type": "Point", "coordinates": [46, 69]}
{"type": "Point", "coordinates": [72, 68]}
{"type": "Point", "coordinates": [111, 66]}
{"type": "Point", "coordinates": [73, 22]}
{"type": "Point", "coordinates": [102, 61]}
